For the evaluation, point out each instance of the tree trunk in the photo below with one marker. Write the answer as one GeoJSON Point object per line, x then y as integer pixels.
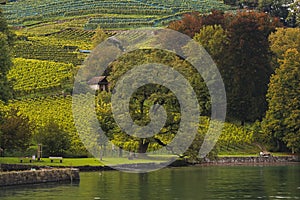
{"type": "Point", "coordinates": [143, 145]}
{"type": "Point", "coordinates": [120, 152]}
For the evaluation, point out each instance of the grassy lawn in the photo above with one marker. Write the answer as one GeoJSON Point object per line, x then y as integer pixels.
{"type": "Point", "coordinates": [81, 161]}
{"type": "Point", "coordinates": [47, 162]}
{"type": "Point", "coordinates": [73, 162]}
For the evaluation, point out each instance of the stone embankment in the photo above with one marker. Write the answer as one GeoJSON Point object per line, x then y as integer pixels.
{"type": "Point", "coordinates": [38, 176]}
{"type": "Point", "coordinates": [253, 160]}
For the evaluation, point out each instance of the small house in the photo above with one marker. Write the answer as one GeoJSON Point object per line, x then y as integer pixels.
{"type": "Point", "coordinates": [98, 83]}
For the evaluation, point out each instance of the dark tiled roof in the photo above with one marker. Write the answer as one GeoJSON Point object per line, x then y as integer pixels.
{"type": "Point", "coordinates": [96, 80]}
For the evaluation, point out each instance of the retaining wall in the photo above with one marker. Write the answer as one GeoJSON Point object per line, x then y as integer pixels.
{"type": "Point", "coordinates": [38, 176]}
{"type": "Point", "coordinates": [254, 159]}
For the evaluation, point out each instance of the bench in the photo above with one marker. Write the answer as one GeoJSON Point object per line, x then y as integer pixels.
{"type": "Point", "coordinates": [265, 154]}
{"type": "Point", "coordinates": [52, 158]}
{"type": "Point", "coordinates": [23, 159]}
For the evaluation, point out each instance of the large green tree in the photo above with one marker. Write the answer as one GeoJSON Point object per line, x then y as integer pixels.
{"type": "Point", "coordinates": [147, 96]}
{"type": "Point", "coordinates": [15, 132]}
{"type": "Point", "coordinates": [55, 141]}
{"type": "Point", "coordinates": [6, 39]}
{"type": "Point", "coordinates": [282, 121]}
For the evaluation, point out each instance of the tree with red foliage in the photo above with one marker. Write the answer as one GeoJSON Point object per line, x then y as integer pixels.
{"type": "Point", "coordinates": [191, 23]}
{"type": "Point", "coordinates": [247, 64]}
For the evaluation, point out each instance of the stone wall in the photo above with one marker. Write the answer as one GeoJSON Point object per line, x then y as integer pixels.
{"type": "Point", "coordinates": [38, 176]}
{"type": "Point", "coordinates": [254, 159]}
{"type": "Point", "coordinates": [18, 167]}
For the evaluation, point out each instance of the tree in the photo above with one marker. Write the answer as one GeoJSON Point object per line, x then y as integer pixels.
{"type": "Point", "coordinates": [284, 39]}
{"type": "Point", "coordinates": [191, 23]}
{"type": "Point", "coordinates": [15, 132]}
{"type": "Point", "coordinates": [6, 39]}
{"type": "Point", "coordinates": [214, 39]}
{"type": "Point", "coordinates": [282, 121]}
{"type": "Point", "coordinates": [246, 67]}
{"type": "Point", "coordinates": [147, 96]}
{"type": "Point", "coordinates": [55, 140]}
{"type": "Point", "coordinates": [99, 37]}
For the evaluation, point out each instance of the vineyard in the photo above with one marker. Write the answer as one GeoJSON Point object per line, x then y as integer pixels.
{"type": "Point", "coordinates": [60, 46]}
{"type": "Point", "coordinates": [36, 76]}
{"type": "Point", "coordinates": [22, 13]}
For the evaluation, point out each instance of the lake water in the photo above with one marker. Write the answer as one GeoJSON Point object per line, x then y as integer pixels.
{"type": "Point", "coordinates": [192, 183]}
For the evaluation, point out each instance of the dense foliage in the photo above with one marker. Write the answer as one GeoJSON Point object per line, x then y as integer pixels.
{"type": "Point", "coordinates": [239, 45]}
{"type": "Point", "coordinates": [282, 119]}
{"type": "Point", "coordinates": [55, 140]}
{"type": "Point", "coordinates": [15, 131]}
{"type": "Point", "coordinates": [6, 39]}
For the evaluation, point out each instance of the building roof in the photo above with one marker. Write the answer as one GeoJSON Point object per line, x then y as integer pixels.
{"type": "Point", "coordinates": [96, 80]}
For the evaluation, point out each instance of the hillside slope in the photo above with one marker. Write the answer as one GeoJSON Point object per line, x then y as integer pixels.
{"type": "Point", "coordinates": [106, 13]}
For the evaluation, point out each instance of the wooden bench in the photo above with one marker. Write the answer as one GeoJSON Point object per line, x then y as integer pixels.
{"type": "Point", "coordinates": [23, 159]}
{"type": "Point", "coordinates": [52, 158]}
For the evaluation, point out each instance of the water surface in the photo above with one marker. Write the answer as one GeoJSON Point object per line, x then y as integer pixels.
{"type": "Point", "coordinates": [192, 183]}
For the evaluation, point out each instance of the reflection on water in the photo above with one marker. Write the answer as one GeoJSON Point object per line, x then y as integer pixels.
{"type": "Point", "coordinates": [235, 182]}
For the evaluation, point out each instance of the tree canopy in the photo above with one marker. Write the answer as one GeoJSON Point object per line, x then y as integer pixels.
{"type": "Point", "coordinates": [147, 96]}
{"type": "Point", "coordinates": [15, 133]}
{"type": "Point", "coordinates": [6, 39]}
{"type": "Point", "coordinates": [284, 39]}
{"type": "Point", "coordinates": [239, 46]}
{"type": "Point", "coordinates": [282, 121]}
{"type": "Point", "coordinates": [55, 140]}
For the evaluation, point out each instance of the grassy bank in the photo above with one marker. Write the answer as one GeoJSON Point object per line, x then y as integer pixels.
{"type": "Point", "coordinates": [75, 162]}
{"type": "Point", "coordinates": [80, 161]}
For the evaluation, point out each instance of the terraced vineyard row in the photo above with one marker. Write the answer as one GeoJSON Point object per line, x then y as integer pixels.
{"type": "Point", "coordinates": [131, 23]}
{"type": "Point", "coordinates": [36, 50]}
{"type": "Point", "coordinates": [59, 46]}
{"type": "Point", "coordinates": [75, 35]}
{"type": "Point", "coordinates": [127, 22]}
{"type": "Point", "coordinates": [35, 76]}
{"type": "Point", "coordinates": [22, 12]}
{"type": "Point", "coordinates": [40, 110]}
